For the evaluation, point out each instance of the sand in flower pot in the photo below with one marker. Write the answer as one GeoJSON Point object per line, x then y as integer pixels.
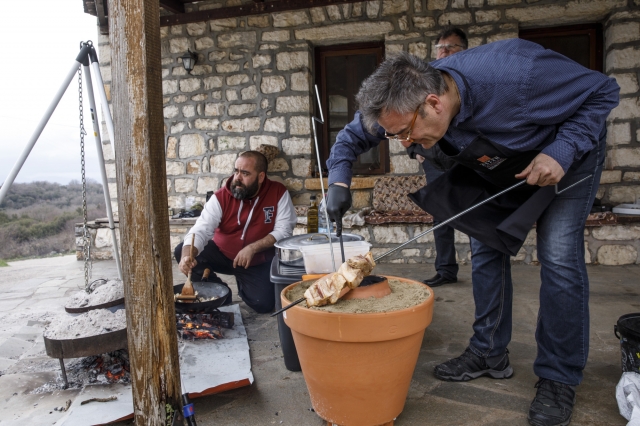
{"type": "Point", "coordinates": [358, 366]}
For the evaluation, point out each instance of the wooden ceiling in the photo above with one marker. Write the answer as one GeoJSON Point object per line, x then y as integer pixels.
{"type": "Point", "coordinates": [173, 12]}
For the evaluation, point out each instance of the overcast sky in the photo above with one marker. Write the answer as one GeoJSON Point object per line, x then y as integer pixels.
{"type": "Point", "coordinates": [39, 41]}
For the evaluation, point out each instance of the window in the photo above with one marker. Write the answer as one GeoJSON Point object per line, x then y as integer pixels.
{"type": "Point", "coordinates": [582, 43]}
{"type": "Point", "coordinates": [340, 71]}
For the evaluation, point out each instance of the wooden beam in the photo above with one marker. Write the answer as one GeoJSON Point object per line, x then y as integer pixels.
{"type": "Point", "coordinates": [247, 9]}
{"type": "Point", "coordinates": [172, 6]}
{"type": "Point", "coordinates": [142, 204]}
{"type": "Point", "coordinates": [101, 12]}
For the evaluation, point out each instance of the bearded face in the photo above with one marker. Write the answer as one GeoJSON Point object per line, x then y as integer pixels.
{"type": "Point", "coordinates": [241, 191]}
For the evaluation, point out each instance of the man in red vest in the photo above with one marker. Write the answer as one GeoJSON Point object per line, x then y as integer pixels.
{"type": "Point", "coordinates": [245, 218]}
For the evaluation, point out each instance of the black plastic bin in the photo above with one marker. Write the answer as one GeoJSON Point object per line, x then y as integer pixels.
{"type": "Point", "coordinates": [282, 276]}
{"type": "Point", "coordinates": [628, 331]}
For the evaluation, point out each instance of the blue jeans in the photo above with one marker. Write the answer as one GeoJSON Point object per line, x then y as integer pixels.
{"type": "Point", "coordinates": [562, 333]}
{"type": "Point", "coordinates": [445, 264]}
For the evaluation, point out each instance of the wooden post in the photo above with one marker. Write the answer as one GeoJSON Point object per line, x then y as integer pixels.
{"type": "Point", "coordinates": [134, 28]}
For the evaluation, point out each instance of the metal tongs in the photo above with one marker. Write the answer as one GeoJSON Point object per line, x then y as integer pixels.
{"type": "Point", "coordinates": [326, 216]}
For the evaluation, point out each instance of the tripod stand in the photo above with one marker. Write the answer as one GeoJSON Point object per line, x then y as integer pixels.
{"type": "Point", "coordinates": [88, 60]}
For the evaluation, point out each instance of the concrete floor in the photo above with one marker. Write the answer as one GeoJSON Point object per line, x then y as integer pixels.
{"type": "Point", "coordinates": [31, 292]}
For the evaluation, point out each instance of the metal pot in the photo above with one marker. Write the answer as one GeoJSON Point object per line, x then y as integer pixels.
{"type": "Point", "coordinates": [288, 248]}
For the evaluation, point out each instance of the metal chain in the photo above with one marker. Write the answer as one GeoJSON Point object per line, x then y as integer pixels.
{"type": "Point", "coordinates": [86, 235]}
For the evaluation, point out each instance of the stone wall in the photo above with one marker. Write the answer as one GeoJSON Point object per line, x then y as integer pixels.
{"type": "Point", "coordinates": [253, 86]}
{"type": "Point", "coordinates": [604, 245]}
{"type": "Point", "coordinates": [620, 182]}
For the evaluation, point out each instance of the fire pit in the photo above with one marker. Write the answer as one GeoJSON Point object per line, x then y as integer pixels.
{"type": "Point", "coordinates": [92, 333]}
{"type": "Point", "coordinates": [203, 326]}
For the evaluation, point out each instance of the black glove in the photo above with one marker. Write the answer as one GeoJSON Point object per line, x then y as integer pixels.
{"type": "Point", "coordinates": [338, 202]}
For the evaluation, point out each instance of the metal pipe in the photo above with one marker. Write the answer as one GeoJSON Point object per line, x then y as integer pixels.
{"type": "Point", "coordinates": [39, 128]}
{"type": "Point", "coordinates": [450, 219]}
{"type": "Point", "coordinates": [64, 374]}
{"type": "Point", "coordinates": [103, 98]}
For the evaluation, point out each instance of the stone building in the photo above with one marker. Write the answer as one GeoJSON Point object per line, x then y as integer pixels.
{"type": "Point", "coordinates": [254, 85]}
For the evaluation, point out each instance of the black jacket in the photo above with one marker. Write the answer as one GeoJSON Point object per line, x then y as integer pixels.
{"type": "Point", "coordinates": [433, 155]}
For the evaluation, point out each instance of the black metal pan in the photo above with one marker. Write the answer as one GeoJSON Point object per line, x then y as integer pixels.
{"type": "Point", "coordinates": [206, 290]}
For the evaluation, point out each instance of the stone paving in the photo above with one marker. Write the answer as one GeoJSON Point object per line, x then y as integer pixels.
{"type": "Point", "coordinates": [32, 292]}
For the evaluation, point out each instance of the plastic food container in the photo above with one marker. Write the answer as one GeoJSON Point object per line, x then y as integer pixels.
{"type": "Point", "coordinates": [317, 258]}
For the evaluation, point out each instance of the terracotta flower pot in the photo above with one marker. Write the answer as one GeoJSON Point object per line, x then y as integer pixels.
{"type": "Point", "coordinates": [358, 367]}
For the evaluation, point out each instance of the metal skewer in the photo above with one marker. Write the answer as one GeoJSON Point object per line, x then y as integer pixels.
{"type": "Point", "coordinates": [290, 305]}
{"type": "Point", "coordinates": [418, 236]}
{"type": "Point", "coordinates": [468, 210]}
{"type": "Point", "coordinates": [326, 216]}
{"type": "Point", "coordinates": [450, 219]}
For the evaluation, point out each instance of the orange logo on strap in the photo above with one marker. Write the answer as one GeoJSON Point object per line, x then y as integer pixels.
{"type": "Point", "coordinates": [484, 159]}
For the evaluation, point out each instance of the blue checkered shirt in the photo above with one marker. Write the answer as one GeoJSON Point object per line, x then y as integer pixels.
{"type": "Point", "coordinates": [519, 95]}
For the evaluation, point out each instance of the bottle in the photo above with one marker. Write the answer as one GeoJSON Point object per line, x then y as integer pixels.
{"type": "Point", "coordinates": [322, 221]}
{"type": "Point", "coordinates": [312, 216]}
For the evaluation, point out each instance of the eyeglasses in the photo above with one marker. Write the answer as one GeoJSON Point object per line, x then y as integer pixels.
{"type": "Point", "coordinates": [408, 138]}
{"type": "Point", "coordinates": [448, 46]}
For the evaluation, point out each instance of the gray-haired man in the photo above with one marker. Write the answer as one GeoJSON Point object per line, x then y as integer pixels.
{"type": "Point", "coordinates": [505, 112]}
{"type": "Point", "coordinates": [449, 41]}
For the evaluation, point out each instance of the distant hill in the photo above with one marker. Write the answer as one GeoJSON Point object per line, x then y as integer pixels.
{"type": "Point", "coordinates": [37, 219]}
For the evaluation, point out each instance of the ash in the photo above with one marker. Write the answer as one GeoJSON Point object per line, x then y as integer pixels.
{"type": "Point", "coordinates": [102, 291]}
{"type": "Point", "coordinates": [92, 323]}
{"type": "Point", "coordinates": [112, 367]}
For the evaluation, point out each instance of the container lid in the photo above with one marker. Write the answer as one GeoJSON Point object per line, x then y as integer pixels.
{"type": "Point", "coordinates": [336, 246]}
{"type": "Point", "coordinates": [629, 326]}
{"type": "Point", "coordinates": [633, 209]}
{"type": "Point", "coordinates": [296, 241]}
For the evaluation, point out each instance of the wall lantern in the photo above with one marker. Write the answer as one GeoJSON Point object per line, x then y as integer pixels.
{"type": "Point", "coordinates": [189, 60]}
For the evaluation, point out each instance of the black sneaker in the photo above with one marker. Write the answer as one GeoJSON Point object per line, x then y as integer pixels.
{"type": "Point", "coordinates": [470, 366]}
{"type": "Point", "coordinates": [553, 404]}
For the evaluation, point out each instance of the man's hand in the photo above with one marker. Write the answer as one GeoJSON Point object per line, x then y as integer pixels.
{"type": "Point", "coordinates": [244, 256]}
{"type": "Point", "coordinates": [338, 202]}
{"type": "Point", "coordinates": [542, 171]}
{"type": "Point", "coordinates": [186, 262]}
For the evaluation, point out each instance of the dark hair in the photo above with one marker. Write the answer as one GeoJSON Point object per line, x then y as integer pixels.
{"type": "Point", "coordinates": [259, 158]}
{"type": "Point", "coordinates": [399, 84]}
{"type": "Point", "coordinates": [449, 31]}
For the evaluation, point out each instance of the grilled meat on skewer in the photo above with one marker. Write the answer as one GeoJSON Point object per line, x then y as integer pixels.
{"type": "Point", "coordinates": [331, 287]}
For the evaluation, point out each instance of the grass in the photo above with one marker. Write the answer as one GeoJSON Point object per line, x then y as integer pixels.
{"type": "Point", "coordinates": [3, 263]}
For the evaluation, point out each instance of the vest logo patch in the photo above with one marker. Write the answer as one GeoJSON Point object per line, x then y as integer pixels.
{"type": "Point", "coordinates": [268, 214]}
{"type": "Point", "coordinates": [490, 163]}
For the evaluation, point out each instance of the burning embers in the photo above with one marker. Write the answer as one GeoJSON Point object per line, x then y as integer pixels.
{"type": "Point", "coordinates": [113, 365]}
{"type": "Point", "coordinates": [203, 326]}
